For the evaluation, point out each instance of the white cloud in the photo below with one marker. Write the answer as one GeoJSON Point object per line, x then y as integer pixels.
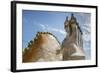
{"type": "Point", "coordinates": [57, 30]}
{"type": "Point", "coordinates": [48, 28]}
{"type": "Point", "coordinates": [43, 26]}
{"type": "Point", "coordinates": [86, 28]}
{"type": "Point", "coordinates": [86, 37]}
{"type": "Point", "coordinates": [86, 32]}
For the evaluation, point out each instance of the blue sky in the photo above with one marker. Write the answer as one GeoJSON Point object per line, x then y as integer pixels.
{"type": "Point", "coordinates": [35, 21]}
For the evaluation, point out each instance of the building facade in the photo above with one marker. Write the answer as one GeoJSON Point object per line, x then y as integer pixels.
{"type": "Point", "coordinates": [72, 45]}
{"type": "Point", "coordinates": [45, 47]}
